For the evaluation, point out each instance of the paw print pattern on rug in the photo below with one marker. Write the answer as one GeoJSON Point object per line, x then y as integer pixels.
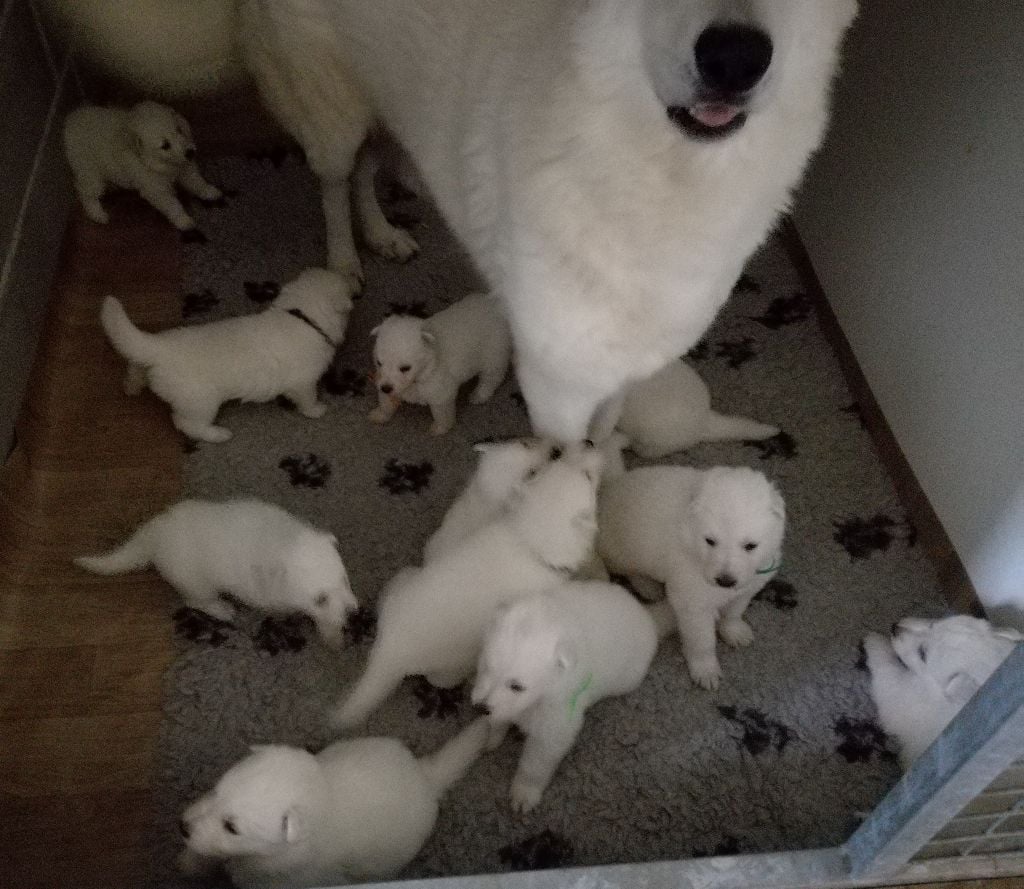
{"type": "Point", "coordinates": [344, 381]}
{"type": "Point", "coordinates": [542, 851]}
{"type": "Point", "coordinates": [406, 478]}
{"type": "Point", "coordinates": [438, 703]}
{"type": "Point", "coordinates": [362, 625]}
{"type": "Point", "coordinates": [781, 445]}
{"type": "Point", "coordinates": [195, 304]}
{"type": "Point", "coordinates": [746, 284]}
{"type": "Point", "coordinates": [785, 310]}
{"type": "Point", "coordinates": [758, 732]}
{"type": "Point", "coordinates": [193, 236]}
{"type": "Point", "coordinates": [860, 740]}
{"type": "Point", "coordinates": [261, 292]}
{"type": "Point", "coordinates": [862, 537]}
{"type": "Point", "coordinates": [200, 627]}
{"type": "Point", "coordinates": [306, 470]}
{"type": "Point", "coordinates": [282, 634]}
{"type": "Point", "coordinates": [728, 845]}
{"type": "Point", "coordinates": [416, 309]}
{"type": "Point", "coordinates": [519, 399]}
{"type": "Point", "coordinates": [736, 352]}
{"type": "Point", "coordinates": [778, 593]}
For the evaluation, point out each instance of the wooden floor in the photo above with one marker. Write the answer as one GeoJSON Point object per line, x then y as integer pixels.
{"type": "Point", "coordinates": [81, 658]}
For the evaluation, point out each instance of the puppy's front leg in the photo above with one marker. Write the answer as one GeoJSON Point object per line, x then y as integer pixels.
{"type": "Point", "coordinates": [733, 629]}
{"type": "Point", "coordinates": [696, 629]}
{"type": "Point", "coordinates": [306, 401]}
{"type": "Point", "coordinates": [543, 752]}
{"type": "Point", "coordinates": [385, 409]}
{"type": "Point", "coordinates": [161, 195]}
{"type": "Point", "coordinates": [443, 413]}
{"type": "Point", "coordinates": [193, 182]}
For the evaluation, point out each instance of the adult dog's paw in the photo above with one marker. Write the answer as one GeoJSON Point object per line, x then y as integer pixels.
{"type": "Point", "coordinates": [705, 672]}
{"type": "Point", "coordinates": [393, 243]}
{"type": "Point", "coordinates": [525, 796]}
{"type": "Point", "coordinates": [736, 633]}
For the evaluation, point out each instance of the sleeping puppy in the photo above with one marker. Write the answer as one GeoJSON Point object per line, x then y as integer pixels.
{"type": "Point", "coordinates": [924, 674]}
{"type": "Point", "coordinates": [713, 537]}
{"type": "Point", "coordinates": [283, 350]}
{"type": "Point", "coordinates": [259, 553]}
{"type": "Point", "coordinates": [357, 811]}
{"type": "Point", "coordinates": [432, 620]}
{"type": "Point", "coordinates": [547, 659]}
{"type": "Point", "coordinates": [426, 361]}
{"type": "Point", "coordinates": [148, 149]}
{"type": "Point", "coordinates": [502, 467]}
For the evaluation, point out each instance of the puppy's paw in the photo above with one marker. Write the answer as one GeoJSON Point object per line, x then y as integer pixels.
{"type": "Point", "coordinates": [380, 415]}
{"type": "Point", "coordinates": [97, 214]}
{"type": "Point", "coordinates": [315, 411]}
{"type": "Point", "coordinates": [736, 633]}
{"type": "Point", "coordinates": [705, 672]}
{"type": "Point", "coordinates": [216, 435]}
{"type": "Point", "coordinates": [525, 796]}
{"type": "Point", "coordinates": [440, 428]}
{"type": "Point", "coordinates": [393, 243]}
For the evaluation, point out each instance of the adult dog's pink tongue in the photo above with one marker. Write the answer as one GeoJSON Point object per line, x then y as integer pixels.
{"type": "Point", "coordinates": [713, 114]}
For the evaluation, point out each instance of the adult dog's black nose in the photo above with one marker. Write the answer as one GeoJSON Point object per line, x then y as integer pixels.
{"type": "Point", "coordinates": [190, 153]}
{"type": "Point", "coordinates": [183, 828]}
{"type": "Point", "coordinates": [732, 58]}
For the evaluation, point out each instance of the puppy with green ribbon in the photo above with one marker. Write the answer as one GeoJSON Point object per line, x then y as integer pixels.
{"type": "Point", "coordinates": [549, 657]}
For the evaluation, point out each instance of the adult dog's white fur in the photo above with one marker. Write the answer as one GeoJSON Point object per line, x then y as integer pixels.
{"type": "Point", "coordinates": [432, 619]}
{"type": "Point", "coordinates": [148, 149]}
{"type": "Point", "coordinates": [547, 659]}
{"type": "Point", "coordinates": [257, 552]}
{"type": "Point", "coordinates": [501, 469]}
{"type": "Point", "coordinates": [357, 811]}
{"type": "Point", "coordinates": [425, 361]}
{"type": "Point", "coordinates": [542, 130]}
{"type": "Point", "coordinates": [923, 675]}
{"type": "Point", "coordinates": [671, 411]}
{"type": "Point", "coordinates": [713, 537]}
{"type": "Point", "coordinates": [195, 369]}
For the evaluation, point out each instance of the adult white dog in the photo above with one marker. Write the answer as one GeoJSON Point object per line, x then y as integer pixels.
{"type": "Point", "coordinates": [425, 361]}
{"type": "Point", "coordinates": [257, 552]}
{"type": "Point", "coordinates": [357, 811]}
{"type": "Point", "coordinates": [713, 537]}
{"type": "Point", "coordinates": [283, 350]}
{"type": "Point", "coordinates": [923, 675]}
{"type": "Point", "coordinates": [433, 619]}
{"type": "Point", "coordinates": [147, 148]}
{"type": "Point", "coordinates": [610, 165]}
{"type": "Point", "coordinates": [547, 659]}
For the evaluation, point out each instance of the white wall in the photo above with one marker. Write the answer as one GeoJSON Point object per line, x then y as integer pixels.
{"type": "Point", "coordinates": [913, 215]}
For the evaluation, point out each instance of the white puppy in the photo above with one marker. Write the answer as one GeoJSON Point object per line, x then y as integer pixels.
{"type": "Point", "coordinates": [927, 671]}
{"type": "Point", "coordinates": [713, 537]}
{"type": "Point", "coordinates": [671, 411]}
{"type": "Point", "coordinates": [426, 361]}
{"type": "Point", "coordinates": [548, 658]}
{"type": "Point", "coordinates": [256, 552]}
{"type": "Point", "coordinates": [432, 620]}
{"type": "Point", "coordinates": [283, 350]}
{"type": "Point", "coordinates": [502, 467]}
{"type": "Point", "coordinates": [357, 811]}
{"type": "Point", "coordinates": [148, 149]}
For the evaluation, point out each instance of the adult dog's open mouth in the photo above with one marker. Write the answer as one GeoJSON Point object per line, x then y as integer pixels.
{"type": "Point", "coordinates": [708, 120]}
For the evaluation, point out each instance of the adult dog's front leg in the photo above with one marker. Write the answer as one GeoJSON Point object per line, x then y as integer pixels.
{"type": "Point", "coordinates": [341, 248]}
{"type": "Point", "coordinates": [559, 407]}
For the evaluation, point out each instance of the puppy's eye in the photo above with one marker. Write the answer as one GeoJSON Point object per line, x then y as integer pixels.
{"type": "Point", "coordinates": [405, 368]}
{"type": "Point", "coordinates": [321, 600]}
{"type": "Point", "coordinates": [516, 687]}
{"type": "Point", "coordinates": [230, 827]}
{"type": "Point", "coordinates": [165, 145]}
{"type": "Point", "coordinates": [710, 541]}
{"type": "Point", "coordinates": [750, 547]}
{"type": "Point", "coordinates": [921, 652]}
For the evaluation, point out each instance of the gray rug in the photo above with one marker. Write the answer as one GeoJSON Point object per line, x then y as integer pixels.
{"type": "Point", "coordinates": [783, 756]}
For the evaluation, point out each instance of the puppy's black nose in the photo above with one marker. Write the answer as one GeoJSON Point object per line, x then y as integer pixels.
{"type": "Point", "coordinates": [183, 828]}
{"type": "Point", "coordinates": [732, 58]}
{"type": "Point", "coordinates": [190, 153]}
{"type": "Point", "coordinates": [387, 388]}
{"type": "Point", "coordinates": [725, 580]}
{"type": "Point", "coordinates": [482, 709]}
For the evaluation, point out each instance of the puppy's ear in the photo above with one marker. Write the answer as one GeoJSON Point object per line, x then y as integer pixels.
{"type": "Point", "coordinates": [428, 337]}
{"type": "Point", "coordinates": [331, 538]}
{"type": "Point", "coordinates": [565, 656]}
{"type": "Point", "coordinates": [375, 330]}
{"type": "Point", "coordinates": [960, 687]}
{"type": "Point", "coordinates": [292, 825]}
{"type": "Point", "coordinates": [482, 447]}
{"type": "Point", "coordinates": [776, 505]}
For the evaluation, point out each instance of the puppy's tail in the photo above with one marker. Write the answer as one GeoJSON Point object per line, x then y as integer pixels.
{"type": "Point", "coordinates": [130, 342]}
{"type": "Point", "coordinates": [664, 618]}
{"type": "Point", "coordinates": [446, 766]}
{"type": "Point", "coordinates": [726, 427]}
{"type": "Point", "coordinates": [167, 47]}
{"type": "Point", "coordinates": [135, 553]}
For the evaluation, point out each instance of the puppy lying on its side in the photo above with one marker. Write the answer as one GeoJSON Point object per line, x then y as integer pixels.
{"type": "Point", "coordinates": [713, 537]}
{"type": "Point", "coordinates": [432, 620]}
{"type": "Point", "coordinates": [148, 149]}
{"type": "Point", "coordinates": [426, 361]}
{"type": "Point", "coordinates": [548, 658]}
{"type": "Point", "coordinates": [671, 411]}
{"type": "Point", "coordinates": [257, 552]}
{"type": "Point", "coordinates": [283, 350]}
{"type": "Point", "coordinates": [502, 467]}
{"type": "Point", "coordinates": [927, 671]}
{"type": "Point", "coordinates": [357, 811]}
